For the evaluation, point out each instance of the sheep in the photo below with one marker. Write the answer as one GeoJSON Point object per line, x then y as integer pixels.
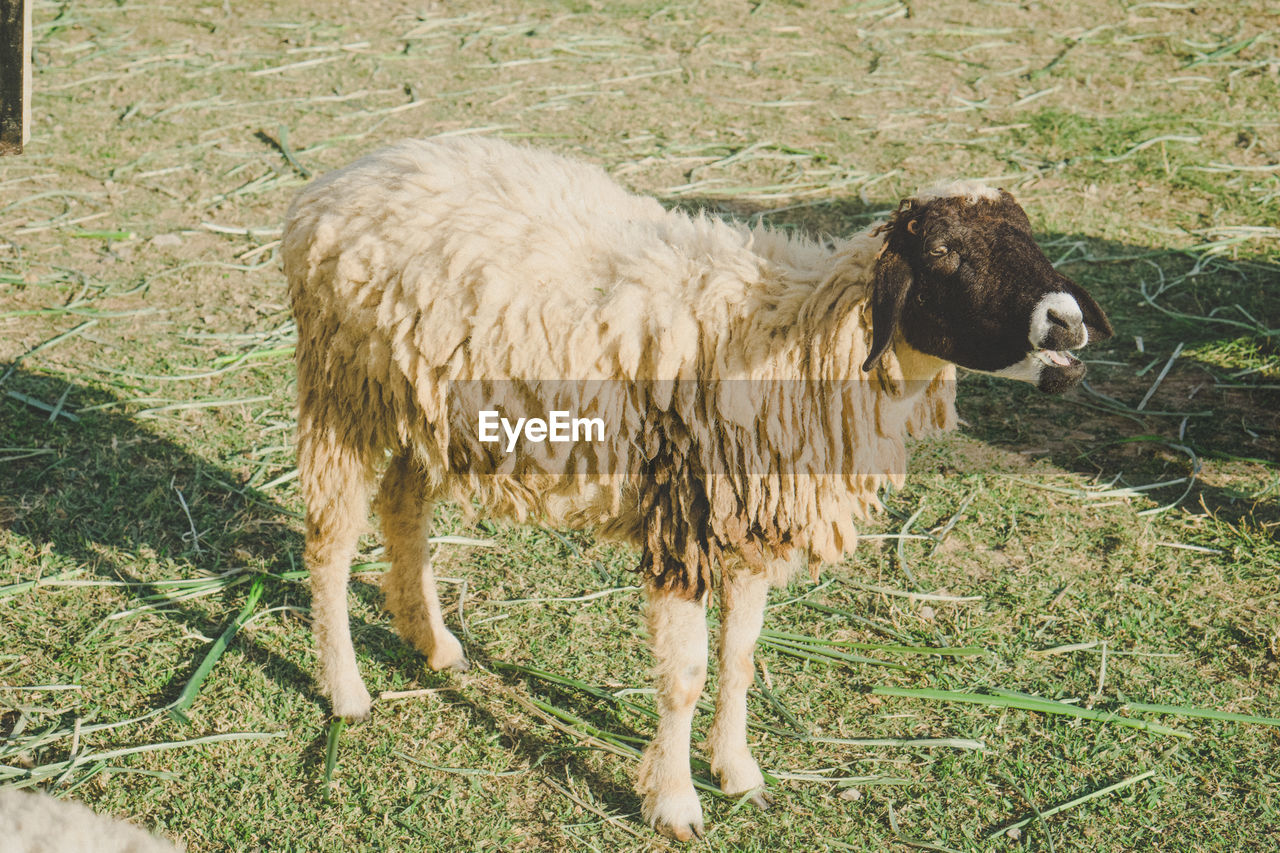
{"type": "Point", "coordinates": [758, 390]}
{"type": "Point", "coordinates": [32, 822]}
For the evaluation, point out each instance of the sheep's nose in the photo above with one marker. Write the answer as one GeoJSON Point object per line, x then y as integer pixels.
{"type": "Point", "coordinates": [1057, 323]}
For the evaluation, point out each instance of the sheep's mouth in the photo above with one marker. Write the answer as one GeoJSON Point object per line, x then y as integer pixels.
{"type": "Point", "coordinates": [1056, 358]}
{"type": "Point", "coordinates": [1060, 370]}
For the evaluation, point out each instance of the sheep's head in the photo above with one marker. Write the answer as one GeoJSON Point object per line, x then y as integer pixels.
{"type": "Point", "coordinates": [961, 278]}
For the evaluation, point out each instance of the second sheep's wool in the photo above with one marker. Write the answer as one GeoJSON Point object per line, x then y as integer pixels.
{"type": "Point", "coordinates": [35, 822]}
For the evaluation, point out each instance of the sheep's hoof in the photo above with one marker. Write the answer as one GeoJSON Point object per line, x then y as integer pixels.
{"type": "Point", "coordinates": [677, 815]}
{"type": "Point", "coordinates": [353, 708]}
{"type": "Point", "coordinates": [681, 832]}
{"type": "Point", "coordinates": [742, 778]}
{"type": "Point", "coordinates": [446, 653]}
{"type": "Point", "coordinates": [757, 796]}
{"type": "Point", "coordinates": [354, 715]}
{"type": "Point", "coordinates": [438, 663]}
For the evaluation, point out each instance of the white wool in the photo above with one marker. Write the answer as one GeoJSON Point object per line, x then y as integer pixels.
{"type": "Point", "coordinates": [971, 191]}
{"type": "Point", "coordinates": [433, 262]}
{"type": "Point", "coordinates": [32, 822]}
{"type": "Point", "coordinates": [464, 259]}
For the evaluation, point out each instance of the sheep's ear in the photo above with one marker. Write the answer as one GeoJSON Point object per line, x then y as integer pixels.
{"type": "Point", "coordinates": [892, 281]}
{"type": "Point", "coordinates": [1095, 321]}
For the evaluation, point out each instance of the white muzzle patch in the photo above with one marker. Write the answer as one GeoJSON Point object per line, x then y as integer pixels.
{"type": "Point", "coordinates": [1027, 370]}
{"type": "Point", "coordinates": [1057, 311]}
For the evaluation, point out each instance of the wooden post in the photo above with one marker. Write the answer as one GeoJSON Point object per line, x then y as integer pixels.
{"type": "Point", "coordinates": [15, 75]}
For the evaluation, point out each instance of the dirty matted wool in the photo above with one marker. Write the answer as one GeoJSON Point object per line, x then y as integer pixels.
{"type": "Point", "coordinates": [436, 276]}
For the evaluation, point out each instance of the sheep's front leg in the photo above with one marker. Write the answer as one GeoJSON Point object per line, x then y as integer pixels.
{"type": "Point", "coordinates": [678, 636]}
{"type": "Point", "coordinates": [742, 598]}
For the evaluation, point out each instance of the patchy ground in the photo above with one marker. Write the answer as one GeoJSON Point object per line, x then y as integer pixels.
{"type": "Point", "coordinates": [1104, 551]}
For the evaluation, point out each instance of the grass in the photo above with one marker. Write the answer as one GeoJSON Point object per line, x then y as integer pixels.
{"type": "Point", "coordinates": [1062, 635]}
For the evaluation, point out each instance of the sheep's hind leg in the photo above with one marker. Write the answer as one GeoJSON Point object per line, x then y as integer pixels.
{"type": "Point", "coordinates": [678, 636]}
{"type": "Point", "coordinates": [335, 484]}
{"type": "Point", "coordinates": [410, 587]}
{"type": "Point", "coordinates": [742, 599]}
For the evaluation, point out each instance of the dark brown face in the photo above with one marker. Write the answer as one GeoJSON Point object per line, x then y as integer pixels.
{"type": "Point", "coordinates": [961, 277]}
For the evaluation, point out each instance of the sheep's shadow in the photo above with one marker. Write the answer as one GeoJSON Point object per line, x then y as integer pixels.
{"type": "Point", "coordinates": [101, 492]}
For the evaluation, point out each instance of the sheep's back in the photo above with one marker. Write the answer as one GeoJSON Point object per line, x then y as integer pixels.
{"type": "Point", "coordinates": [501, 261]}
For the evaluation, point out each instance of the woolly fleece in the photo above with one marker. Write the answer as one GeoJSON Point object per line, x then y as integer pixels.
{"type": "Point", "coordinates": [427, 267]}
{"type": "Point", "coordinates": [33, 822]}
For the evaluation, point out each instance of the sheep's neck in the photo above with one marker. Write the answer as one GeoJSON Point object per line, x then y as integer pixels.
{"type": "Point", "coordinates": [916, 368]}
{"type": "Point", "coordinates": [837, 310]}
{"type": "Point", "coordinates": [808, 319]}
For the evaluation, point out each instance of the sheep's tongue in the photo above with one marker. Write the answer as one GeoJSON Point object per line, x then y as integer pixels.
{"type": "Point", "coordinates": [1061, 359]}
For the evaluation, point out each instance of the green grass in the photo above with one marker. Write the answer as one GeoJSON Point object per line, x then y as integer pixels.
{"type": "Point", "coordinates": [1089, 563]}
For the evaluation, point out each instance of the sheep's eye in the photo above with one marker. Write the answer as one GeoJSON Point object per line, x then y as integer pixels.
{"type": "Point", "coordinates": [939, 251]}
